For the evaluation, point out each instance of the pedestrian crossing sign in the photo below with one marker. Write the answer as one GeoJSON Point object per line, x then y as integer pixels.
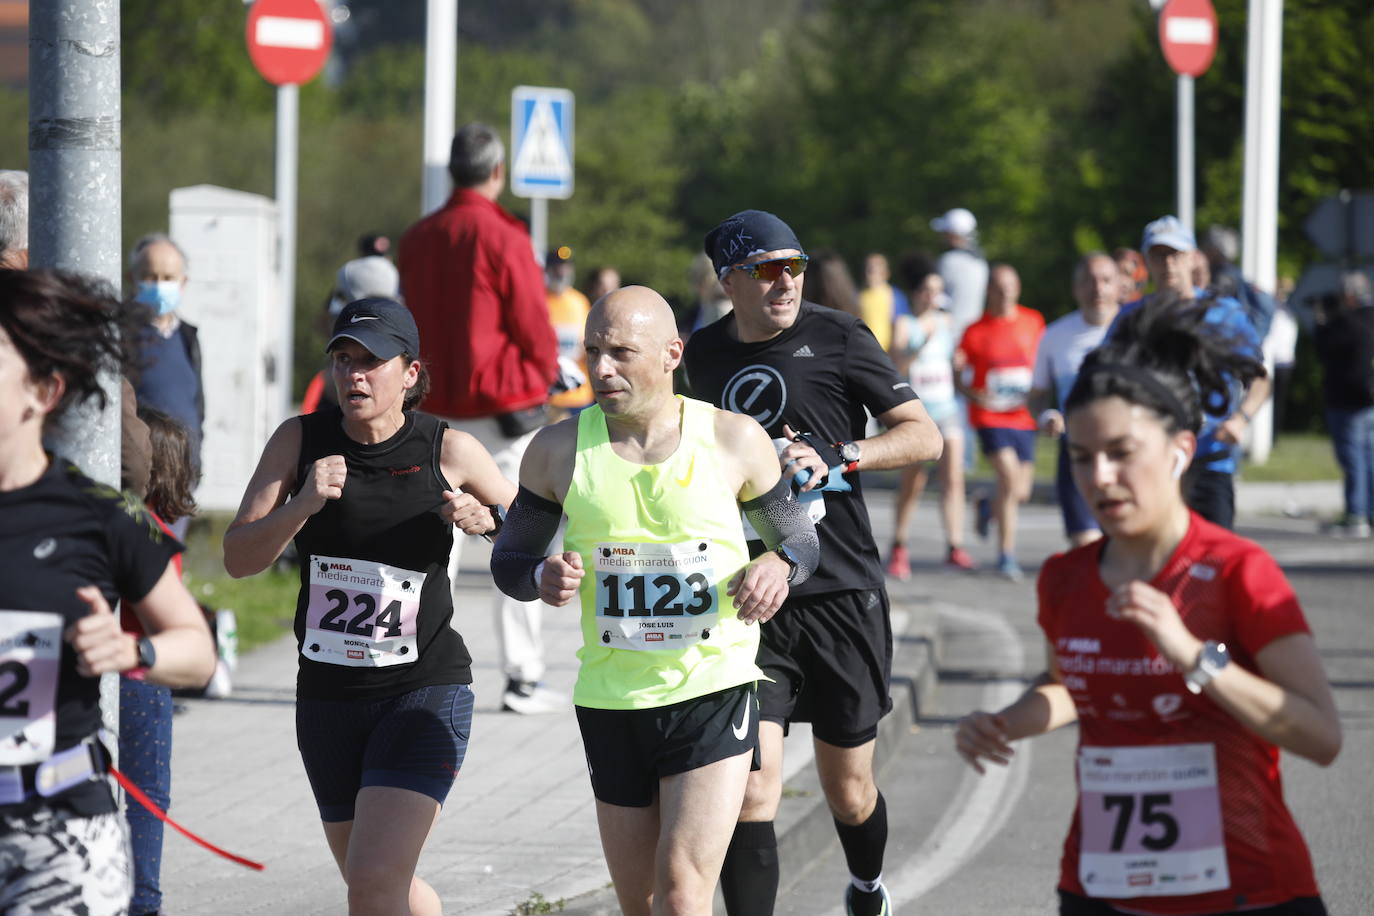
{"type": "Point", "coordinates": [541, 129]}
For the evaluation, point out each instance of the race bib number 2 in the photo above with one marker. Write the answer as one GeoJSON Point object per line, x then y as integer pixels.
{"type": "Point", "coordinates": [30, 660]}
{"type": "Point", "coordinates": [361, 614]}
{"type": "Point", "coordinates": [1150, 820]}
{"type": "Point", "coordinates": [655, 596]}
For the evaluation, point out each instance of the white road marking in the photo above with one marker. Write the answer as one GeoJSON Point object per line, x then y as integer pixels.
{"type": "Point", "coordinates": [982, 804]}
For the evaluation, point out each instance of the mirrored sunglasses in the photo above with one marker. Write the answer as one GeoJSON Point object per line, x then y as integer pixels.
{"type": "Point", "coordinates": [771, 270]}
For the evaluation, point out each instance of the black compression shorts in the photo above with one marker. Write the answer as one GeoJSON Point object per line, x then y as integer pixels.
{"type": "Point", "coordinates": [830, 660]}
{"type": "Point", "coordinates": [415, 741]}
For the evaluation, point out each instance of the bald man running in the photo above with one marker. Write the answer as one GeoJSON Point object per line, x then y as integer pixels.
{"type": "Point", "coordinates": [652, 485]}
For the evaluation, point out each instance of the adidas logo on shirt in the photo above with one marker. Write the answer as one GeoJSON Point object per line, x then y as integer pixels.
{"type": "Point", "coordinates": [804, 350]}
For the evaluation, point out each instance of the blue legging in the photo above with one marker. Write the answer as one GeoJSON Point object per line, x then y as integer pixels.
{"type": "Point", "coordinates": [145, 756]}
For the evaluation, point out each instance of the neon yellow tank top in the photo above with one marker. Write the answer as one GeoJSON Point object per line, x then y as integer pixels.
{"type": "Point", "coordinates": [660, 544]}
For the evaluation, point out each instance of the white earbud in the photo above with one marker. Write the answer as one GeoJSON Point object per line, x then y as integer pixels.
{"type": "Point", "coordinates": [1180, 463]}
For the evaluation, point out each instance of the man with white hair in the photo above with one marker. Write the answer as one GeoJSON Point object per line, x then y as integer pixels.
{"type": "Point", "coordinates": [14, 219]}
{"type": "Point", "coordinates": [962, 267]}
{"type": "Point", "coordinates": [469, 277]}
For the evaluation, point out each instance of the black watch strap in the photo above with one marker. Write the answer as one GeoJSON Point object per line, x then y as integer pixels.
{"type": "Point", "coordinates": [782, 551]}
{"type": "Point", "coordinates": [147, 654]}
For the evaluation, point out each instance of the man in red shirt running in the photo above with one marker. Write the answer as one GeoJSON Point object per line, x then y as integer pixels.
{"type": "Point", "coordinates": [992, 368]}
{"type": "Point", "coordinates": [469, 277]}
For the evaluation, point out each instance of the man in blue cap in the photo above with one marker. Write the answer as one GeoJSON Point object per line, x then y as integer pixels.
{"type": "Point", "coordinates": [806, 373]}
{"type": "Point", "coordinates": [1209, 489]}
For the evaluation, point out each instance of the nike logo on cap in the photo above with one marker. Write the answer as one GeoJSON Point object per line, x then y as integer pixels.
{"type": "Point", "coordinates": [743, 728]}
{"type": "Point", "coordinates": [357, 318]}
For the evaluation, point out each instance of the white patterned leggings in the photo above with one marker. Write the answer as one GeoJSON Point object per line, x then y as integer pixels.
{"type": "Point", "coordinates": [53, 862]}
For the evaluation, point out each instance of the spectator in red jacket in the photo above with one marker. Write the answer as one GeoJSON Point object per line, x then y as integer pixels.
{"type": "Point", "coordinates": [469, 276]}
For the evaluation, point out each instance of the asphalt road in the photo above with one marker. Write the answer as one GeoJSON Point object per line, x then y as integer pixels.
{"type": "Point", "coordinates": [964, 844]}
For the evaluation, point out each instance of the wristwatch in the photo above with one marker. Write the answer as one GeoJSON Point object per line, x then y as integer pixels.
{"type": "Point", "coordinates": [147, 655]}
{"type": "Point", "coordinates": [1213, 657]}
{"type": "Point", "coordinates": [498, 515]}
{"type": "Point", "coordinates": [786, 555]}
{"type": "Point", "coordinates": [851, 453]}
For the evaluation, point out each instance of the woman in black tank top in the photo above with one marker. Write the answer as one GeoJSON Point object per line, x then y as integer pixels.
{"type": "Point", "coordinates": [71, 549]}
{"type": "Point", "coordinates": [370, 492]}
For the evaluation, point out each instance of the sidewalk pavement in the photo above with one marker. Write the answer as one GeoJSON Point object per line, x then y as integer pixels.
{"type": "Point", "coordinates": [520, 820]}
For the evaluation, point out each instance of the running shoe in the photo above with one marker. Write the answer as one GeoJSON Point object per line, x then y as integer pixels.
{"type": "Point", "coordinates": [958, 558]}
{"type": "Point", "coordinates": [1008, 568]}
{"type": "Point", "coordinates": [221, 683]}
{"type": "Point", "coordinates": [858, 903]}
{"type": "Point", "coordinates": [982, 522]}
{"type": "Point", "coordinates": [899, 564]}
{"type": "Point", "coordinates": [530, 699]}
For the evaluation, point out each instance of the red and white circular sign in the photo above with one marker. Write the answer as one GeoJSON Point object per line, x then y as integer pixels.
{"type": "Point", "coordinates": [288, 40]}
{"type": "Point", "coordinates": [1188, 35]}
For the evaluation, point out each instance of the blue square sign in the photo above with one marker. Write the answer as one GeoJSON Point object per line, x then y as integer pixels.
{"type": "Point", "coordinates": [541, 129]}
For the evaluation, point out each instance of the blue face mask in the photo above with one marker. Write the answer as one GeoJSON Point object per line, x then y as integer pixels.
{"type": "Point", "coordinates": [164, 296]}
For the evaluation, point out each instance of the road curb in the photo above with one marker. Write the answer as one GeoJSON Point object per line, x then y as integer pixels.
{"type": "Point", "coordinates": [805, 826]}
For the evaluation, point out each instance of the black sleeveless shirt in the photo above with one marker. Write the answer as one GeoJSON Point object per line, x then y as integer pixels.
{"type": "Point", "coordinates": [374, 612]}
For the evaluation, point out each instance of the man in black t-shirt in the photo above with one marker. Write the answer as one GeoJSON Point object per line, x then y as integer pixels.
{"type": "Point", "coordinates": [806, 373]}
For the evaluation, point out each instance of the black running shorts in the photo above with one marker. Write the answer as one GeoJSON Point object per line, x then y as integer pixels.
{"type": "Point", "coordinates": [415, 741]}
{"type": "Point", "coordinates": [630, 750]}
{"type": "Point", "coordinates": [830, 660]}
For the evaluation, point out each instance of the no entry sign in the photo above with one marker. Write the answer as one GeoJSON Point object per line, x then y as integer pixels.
{"type": "Point", "coordinates": [1188, 35]}
{"type": "Point", "coordinates": [288, 40]}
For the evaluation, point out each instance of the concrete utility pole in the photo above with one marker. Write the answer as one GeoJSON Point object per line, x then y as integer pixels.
{"type": "Point", "coordinates": [74, 199]}
{"type": "Point", "coordinates": [441, 76]}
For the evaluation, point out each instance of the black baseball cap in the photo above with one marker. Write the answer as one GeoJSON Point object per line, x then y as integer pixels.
{"type": "Point", "coordinates": [384, 326]}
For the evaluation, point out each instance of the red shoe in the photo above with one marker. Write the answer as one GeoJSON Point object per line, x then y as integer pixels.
{"type": "Point", "coordinates": [959, 559]}
{"type": "Point", "coordinates": [899, 564]}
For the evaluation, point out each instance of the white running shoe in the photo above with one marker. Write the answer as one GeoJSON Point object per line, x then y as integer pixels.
{"type": "Point", "coordinates": [221, 683]}
{"type": "Point", "coordinates": [531, 699]}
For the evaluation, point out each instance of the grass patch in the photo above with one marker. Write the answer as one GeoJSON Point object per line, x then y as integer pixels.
{"type": "Point", "coordinates": [1296, 457]}
{"type": "Point", "coordinates": [264, 604]}
{"type": "Point", "coordinates": [538, 905]}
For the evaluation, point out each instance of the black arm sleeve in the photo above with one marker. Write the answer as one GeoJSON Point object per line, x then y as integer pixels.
{"type": "Point", "coordinates": [530, 525]}
{"type": "Point", "coordinates": [782, 522]}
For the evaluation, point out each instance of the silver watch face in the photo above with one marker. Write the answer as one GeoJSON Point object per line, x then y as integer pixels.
{"type": "Point", "coordinates": [1215, 656]}
{"type": "Point", "coordinates": [850, 451]}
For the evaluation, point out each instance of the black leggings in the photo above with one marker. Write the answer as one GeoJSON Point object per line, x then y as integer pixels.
{"type": "Point", "coordinates": [1074, 905]}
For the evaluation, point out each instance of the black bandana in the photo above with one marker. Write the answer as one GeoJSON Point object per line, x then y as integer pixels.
{"type": "Point", "coordinates": [747, 233]}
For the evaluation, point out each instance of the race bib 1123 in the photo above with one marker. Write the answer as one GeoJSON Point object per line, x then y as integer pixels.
{"type": "Point", "coordinates": [655, 596]}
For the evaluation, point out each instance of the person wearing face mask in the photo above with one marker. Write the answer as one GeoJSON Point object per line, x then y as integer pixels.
{"type": "Point", "coordinates": [169, 347]}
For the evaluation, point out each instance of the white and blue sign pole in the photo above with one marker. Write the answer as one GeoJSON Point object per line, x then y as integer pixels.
{"type": "Point", "coordinates": [541, 158]}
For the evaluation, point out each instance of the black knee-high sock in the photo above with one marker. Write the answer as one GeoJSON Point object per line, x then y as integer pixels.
{"type": "Point", "coordinates": [749, 878]}
{"type": "Point", "coordinates": [864, 844]}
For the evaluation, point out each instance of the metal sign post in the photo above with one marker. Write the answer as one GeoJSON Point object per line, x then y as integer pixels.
{"type": "Point", "coordinates": [1188, 37]}
{"type": "Point", "coordinates": [288, 41]}
{"type": "Point", "coordinates": [541, 153]}
{"type": "Point", "coordinates": [1260, 206]}
{"type": "Point", "coordinates": [441, 74]}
